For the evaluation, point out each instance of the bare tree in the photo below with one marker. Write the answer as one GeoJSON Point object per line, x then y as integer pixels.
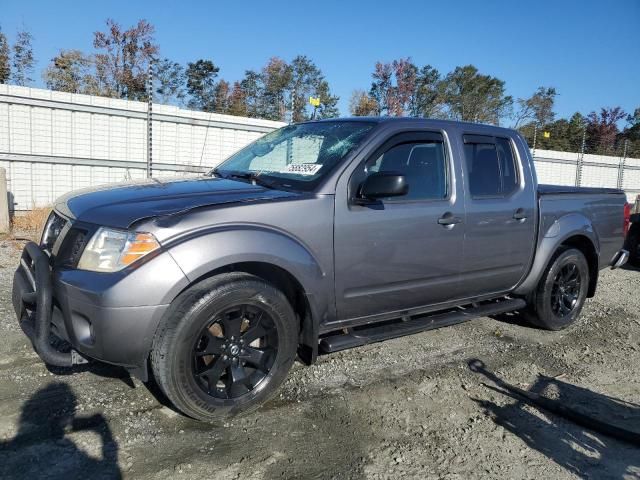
{"type": "Point", "coordinates": [22, 64]}
{"type": "Point", "coordinates": [170, 80]}
{"type": "Point", "coordinates": [537, 108]}
{"type": "Point", "coordinates": [5, 66]}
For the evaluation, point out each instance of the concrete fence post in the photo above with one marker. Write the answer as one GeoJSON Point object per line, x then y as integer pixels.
{"type": "Point", "coordinates": [581, 158]}
{"type": "Point", "coordinates": [4, 202]}
{"type": "Point", "coordinates": [622, 164]}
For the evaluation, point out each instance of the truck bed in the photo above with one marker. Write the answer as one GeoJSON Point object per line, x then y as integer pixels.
{"type": "Point", "coordinates": [603, 207]}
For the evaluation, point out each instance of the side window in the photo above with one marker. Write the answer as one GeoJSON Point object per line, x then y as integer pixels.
{"type": "Point", "coordinates": [491, 168]}
{"type": "Point", "coordinates": [483, 169]}
{"type": "Point", "coordinates": [507, 165]}
{"type": "Point", "coordinates": [423, 164]}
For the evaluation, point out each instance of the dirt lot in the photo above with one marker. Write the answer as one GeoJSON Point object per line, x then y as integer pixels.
{"type": "Point", "coordinates": [406, 408]}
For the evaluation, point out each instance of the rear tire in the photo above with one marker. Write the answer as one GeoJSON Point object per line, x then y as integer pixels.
{"type": "Point", "coordinates": [561, 292]}
{"type": "Point", "coordinates": [224, 346]}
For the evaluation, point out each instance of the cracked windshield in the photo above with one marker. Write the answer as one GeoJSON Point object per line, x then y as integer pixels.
{"type": "Point", "coordinates": [296, 156]}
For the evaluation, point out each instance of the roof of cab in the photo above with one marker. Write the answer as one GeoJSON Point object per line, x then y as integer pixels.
{"type": "Point", "coordinates": [427, 121]}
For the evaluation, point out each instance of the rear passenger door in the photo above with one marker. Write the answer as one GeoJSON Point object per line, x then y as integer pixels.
{"type": "Point", "coordinates": [500, 209]}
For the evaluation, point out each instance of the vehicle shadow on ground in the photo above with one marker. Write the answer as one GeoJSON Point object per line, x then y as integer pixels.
{"type": "Point", "coordinates": [116, 373]}
{"type": "Point", "coordinates": [42, 447]}
{"type": "Point", "coordinates": [514, 318]}
{"type": "Point", "coordinates": [99, 369]}
{"type": "Point", "coordinates": [628, 266]}
{"type": "Point", "coordinates": [581, 451]}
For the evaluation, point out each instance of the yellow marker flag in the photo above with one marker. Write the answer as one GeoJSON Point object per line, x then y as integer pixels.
{"type": "Point", "coordinates": [546, 134]}
{"type": "Point", "coordinates": [315, 101]}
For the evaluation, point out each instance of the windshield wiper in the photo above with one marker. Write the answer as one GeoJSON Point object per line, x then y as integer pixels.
{"type": "Point", "coordinates": [255, 178]}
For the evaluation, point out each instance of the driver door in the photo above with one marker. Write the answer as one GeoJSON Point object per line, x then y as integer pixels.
{"type": "Point", "coordinates": [401, 252]}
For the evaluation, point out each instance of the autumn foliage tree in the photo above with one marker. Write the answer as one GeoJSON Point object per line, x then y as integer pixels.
{"type": "Point", "coordinates": [280, 90]}
{"type": "Point", "coordinates": [602, 128]}
{"type": "Point", "coordinates": [123, 58]}
{"type": "Point", "coordinates": [401, 88]}
{"type": "Point", "coordinates": [427, 99]}
{"type": "Point", "coordinates": [237, 100]}
{"type": "Point", "coordinates": [71, 71]}
{"type": "Point", "coordinates": [395, 88]}
{"type": "Point", "coordinates": [362, 104]}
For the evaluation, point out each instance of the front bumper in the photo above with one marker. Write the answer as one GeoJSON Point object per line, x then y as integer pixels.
{"type": "Point", "coordinates": [117, 335]}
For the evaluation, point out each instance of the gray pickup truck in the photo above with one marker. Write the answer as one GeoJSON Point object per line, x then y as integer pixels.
{"type": "Point", "coordinates": [318, 237]}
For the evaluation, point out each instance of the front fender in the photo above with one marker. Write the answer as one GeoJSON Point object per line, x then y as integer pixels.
{"type": "Point", "coordinates": [553, 233]}
{"type": "Point", "coordinates": [200, 254]}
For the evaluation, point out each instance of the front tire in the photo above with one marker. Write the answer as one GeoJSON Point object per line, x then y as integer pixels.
{"type": "Point", "coordinates": [561, 292]}
{"type": "Point", "coordinates": [224, 346]}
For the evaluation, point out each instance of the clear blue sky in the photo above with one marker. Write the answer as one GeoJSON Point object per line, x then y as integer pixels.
{"type": "Point", "coordinates": [589, 50]}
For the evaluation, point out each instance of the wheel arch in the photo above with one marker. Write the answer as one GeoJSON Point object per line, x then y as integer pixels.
{"type": "Point", "coordinates": [292, 288]}
{"type": "Point", "coordinates": [585, 245]}
{"type": "Point", "coordinates": [572, 230]}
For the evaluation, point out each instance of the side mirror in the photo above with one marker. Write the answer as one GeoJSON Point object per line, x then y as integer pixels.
{"type": "Point", "coordinates": [383, 184]}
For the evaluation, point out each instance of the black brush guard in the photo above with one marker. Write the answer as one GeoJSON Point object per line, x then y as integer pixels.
{"type": "Point", "coordinates": [32, 301]}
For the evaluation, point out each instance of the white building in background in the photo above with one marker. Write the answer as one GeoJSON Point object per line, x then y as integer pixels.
{"type": "Point", "coordinates": [53, 142]}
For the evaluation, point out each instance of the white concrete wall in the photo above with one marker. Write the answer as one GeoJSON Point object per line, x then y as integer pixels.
{"type": "Point", "coordinates": [559, 168]}
{"type": "Point", "coordinates": [54, 142]}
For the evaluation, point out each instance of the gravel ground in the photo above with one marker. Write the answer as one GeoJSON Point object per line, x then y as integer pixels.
{"type": "Point", "coordinates": [405, 408]}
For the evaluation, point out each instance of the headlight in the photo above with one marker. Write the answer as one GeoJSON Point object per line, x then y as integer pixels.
{"type": "Point", "coordinates": [112, 250]}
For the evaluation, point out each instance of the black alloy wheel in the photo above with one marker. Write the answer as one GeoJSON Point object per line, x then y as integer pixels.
{"type": "Point", "coordinates": [235, 352]}
{"type": "Point", "coordinates": [566, 290]}
{"type": "Point", "coordinates": [562, 290]}
{"type": "Point", "coordinates": [224, 346]}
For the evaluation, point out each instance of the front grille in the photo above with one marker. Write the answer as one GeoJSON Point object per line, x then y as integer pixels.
{"type": "Point", "coordinates": [72, 247]}
{"type": "Point", "coordinates": [52, 230]}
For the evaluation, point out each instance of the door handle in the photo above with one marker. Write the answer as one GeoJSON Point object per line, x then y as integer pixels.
{"type": "Point", "coordinates": [449, 220]}
{"type": "Point", "coordinates": [520, 215]}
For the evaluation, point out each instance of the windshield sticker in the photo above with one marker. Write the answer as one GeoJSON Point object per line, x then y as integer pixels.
{"type": "Point", "coordinates": [302, 168]}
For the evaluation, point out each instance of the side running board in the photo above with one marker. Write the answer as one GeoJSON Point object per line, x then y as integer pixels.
{"type": "Point", "coordinates": [359, 336]}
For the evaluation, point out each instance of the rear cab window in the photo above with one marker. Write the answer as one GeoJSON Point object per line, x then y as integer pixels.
{"type": "Point", "coordinates": [491, 166]}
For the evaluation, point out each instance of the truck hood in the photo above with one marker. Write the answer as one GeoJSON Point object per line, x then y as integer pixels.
{"type": "Point", "coordinates": [120, 205]}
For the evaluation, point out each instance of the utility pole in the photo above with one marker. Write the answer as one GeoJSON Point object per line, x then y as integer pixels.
{"type": "Point", "coordinates": [150, 120]}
